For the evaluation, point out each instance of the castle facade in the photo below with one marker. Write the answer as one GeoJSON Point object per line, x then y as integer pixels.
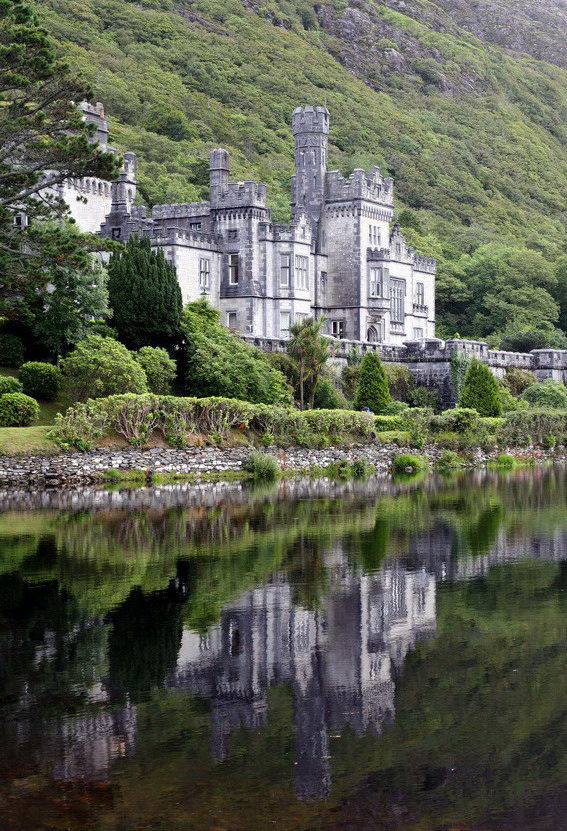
{"type": "Point", "coordinates": [340, 257]}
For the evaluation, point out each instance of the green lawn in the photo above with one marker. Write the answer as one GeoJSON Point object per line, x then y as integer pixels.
{"type": "Point", "coordinates": [25, 441]}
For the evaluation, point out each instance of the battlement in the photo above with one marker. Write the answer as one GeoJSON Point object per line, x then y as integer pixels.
{"type": "Point", "coordinates": [94, 114]}
{"type": "Point", "coordinates": [180, 210]}
{"type": "Point", "coordinates": [427, 265]}
{"type": "Point", "coordinates": [370, 186]}
{"type": "Point", "coordinates": [299, 231]}
{"type": "Point", "coordinates": [242, 195]}
{"type": "Point", "coordinates": [164, 236]}
{"type": "Point", "coordinates": [310, 120]}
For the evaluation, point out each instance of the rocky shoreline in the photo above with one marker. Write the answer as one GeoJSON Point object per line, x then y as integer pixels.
{"type": "Point", "coordinates": [201, 463]}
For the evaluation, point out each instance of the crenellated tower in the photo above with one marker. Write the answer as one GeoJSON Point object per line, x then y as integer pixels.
{"type": "Point", "coordinates": [220, 174]}
{"type": "Point", "coordinates": [310, 126]}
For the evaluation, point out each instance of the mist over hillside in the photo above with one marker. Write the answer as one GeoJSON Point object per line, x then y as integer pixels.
{"type": "Point", "coordinates": [474, 132]}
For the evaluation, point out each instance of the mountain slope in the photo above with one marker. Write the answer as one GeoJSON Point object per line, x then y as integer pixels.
{"type": "Point", "coordinates": [475, 136]}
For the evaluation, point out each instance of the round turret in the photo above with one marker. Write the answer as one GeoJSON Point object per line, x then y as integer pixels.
{"type": "Point", "coordinates": [310, 120]}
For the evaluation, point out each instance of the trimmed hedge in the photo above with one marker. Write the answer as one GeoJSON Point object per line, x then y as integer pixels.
{"type": "Point", "coordinates": [18, 410]}
{"type": "Point", "coordinates": [40, 380]}
{"type": "Point", "coordinates": [533, 426]}
{"type": "Point", "coordinates": [388, 422]}
{"type": "Point", "coordinates": [10, 384]}
{"type": "Point", "coordinates": [458, 420]}
{"type": "Point", "coordinates": [136, 417]}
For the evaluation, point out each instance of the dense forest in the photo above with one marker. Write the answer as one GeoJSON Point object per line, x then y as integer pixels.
{"type": "Point", "coordinates": [439, 94]}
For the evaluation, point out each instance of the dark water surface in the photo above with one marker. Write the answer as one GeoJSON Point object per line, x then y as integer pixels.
{"type": "Point", "coordinates": [312, 656]}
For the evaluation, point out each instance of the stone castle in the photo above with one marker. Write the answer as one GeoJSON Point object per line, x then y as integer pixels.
{"type": "Point", "coordinates": [339, 257]}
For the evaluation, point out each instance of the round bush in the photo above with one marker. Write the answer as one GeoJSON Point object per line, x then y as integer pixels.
{"type": "Point", "coordinates": [18, 410]}
{"type": "Point", "coordinates": [99, 366]}
{"type": "Point", "coordinates": [160, 369]}
{"type": "Point", "coordinates": [40, 380]}
{"type": "Point", "coordinates": [548, 393]}
{"type": "Point", "coordinates": [328, 397]}
{"type": "Point", "coordinates": [9, 384]}
{"type": "Point", "coordinates": [11, 350]}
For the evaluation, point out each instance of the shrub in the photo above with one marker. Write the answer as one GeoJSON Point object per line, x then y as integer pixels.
{"type": "Point", "coordinates": [417, 422]}
{"type": "Point", "coordinates": [525, 427]}
{"type": "Point", "coordinates": [548, 393]}
{"type": "Point", "coordinates": [401, 438]}
{"type": "Point", "coordinates": [424, 397]}
{"type": "Point", "coordinates": [395, 408]}
{"type": "Point", "coordinates": [99, 367]}
{"type": "Point", "coordinates": [361, 469]}
{"type": "Point", "coordinates": [80, 426]}
{"type": "Point", "coordinates": [508, 402]}
{"type": "Point", "coordinates": [18, 410]}
{"type": "Point", "coordinates": [328, 397]}
{"type": "Point", "coordinates": [400, 381]}
{"type": "Point", "coordinates": [491, 425]}
{"type": "Point", "coordinates": [408, 463]}
{"type": "Point", "coordinates": [480, 390]}
{"type": "Point", "coordinates": [373, 391]}
{"type": "Point", "coordinates": [459, 420]}
{"type": "Point", "coordinates": [11, 351]}
{"type": "Point", "coordinates": [160, 369]}
{"type": "Point", "coordinates": [448, 460]}
{"type": "Point", "coordinates": [517, 380]}
{"type": "Point", "coordinates": [10, 384]}
{"type": "Point", "coordinates": [388, 422]}
{"type": "Point", "coordinates": [504, 461]}
{"type": "Point", "coordinates": [262, 466]}
{"type": "Point", "coordinates": [40, 380]}
{"type": "Point", "coordinates": [134, 417]}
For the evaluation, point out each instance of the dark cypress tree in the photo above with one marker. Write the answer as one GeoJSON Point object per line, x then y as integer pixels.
{"type": "Point", "coordinates": [480, 390]}
{"type": "Point", "coordinates": [373, 389]}
{"type": "Point", "coordinates": [144, 296]}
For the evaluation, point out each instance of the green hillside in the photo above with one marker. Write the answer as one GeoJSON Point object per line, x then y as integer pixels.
{"type": "Point", "coordinates": [475, 135]}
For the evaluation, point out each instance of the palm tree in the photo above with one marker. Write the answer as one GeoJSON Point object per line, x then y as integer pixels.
{"type": "Point", "coordinates": [311, 351]}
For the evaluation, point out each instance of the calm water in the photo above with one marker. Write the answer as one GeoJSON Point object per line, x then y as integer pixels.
{"type": "Point", "coordinates": [311, 656]}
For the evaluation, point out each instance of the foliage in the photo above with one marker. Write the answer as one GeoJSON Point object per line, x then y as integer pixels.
{"type": "Point", "coordinates": [310, 350]}
{"type": "Point", "coordinates": [135, 416]}
{"type": "Point", "coordinates": [517, 380]}
{"type": "Point", "coordinates": [388, 422]}
{"type": "Point", "coordinates": [43, 142]}
{"type": "Point", "coordinates": [11, 350]}
{"type": "Point", "coordinates": [548, 393]}
{"type": "Point", "coordinates": [99, 367]}
{"type": "Point", "coordinates": [144, 295]}
{"type": "Point", "coordinates": [262, 466]}
{"type": "Point", "coordinates": [525, 338]}
{"type": "Point", "coordinates": [447, 461]}
{"type": "Point", "coordinates": [423, 397]}
{"type": "Point", "coordinates": [458, 420]}
{"type": "Point", "coordinates": [459, 364]}
{"type": "Point", "coordinates": [507, 400]}
{"type": "Point", "coordinates": [219, 363]}
{"type": "Point", "coordinates": [525, 427]}
{"type": "Point", "coordinates": [491, 425]}
{"type": "Point", "coordinates": [10, 384]}
{"type": "Point", "coordinates": [18, 410]}
{"type": "Point", "coordinates": [160, 369]}
{"type": "Point", "coordinates": [373, 391]}
{"type": "Point", "coordinates": [480, 390]}
{"type": "Point", "coordinates": [417, 422]}
{"type": "Point", "coordinates": [400, 381]}
{"type": "Point", "coordinates": [328, 397]}
{"type": "Point", "coordinates": [409, 463]}
{"type": "Point", "coordinates": [40, 380]}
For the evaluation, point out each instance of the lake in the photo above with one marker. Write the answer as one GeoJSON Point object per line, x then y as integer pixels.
{"type": "Point", "coordinates": [304, 656]}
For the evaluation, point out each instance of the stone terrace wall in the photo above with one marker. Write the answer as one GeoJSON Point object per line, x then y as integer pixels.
{"type": "Point", "coordinates": [429, 360]}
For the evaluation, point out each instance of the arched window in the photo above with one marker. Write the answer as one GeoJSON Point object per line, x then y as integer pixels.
{"type": "Point", "coordinates": [372, 335]}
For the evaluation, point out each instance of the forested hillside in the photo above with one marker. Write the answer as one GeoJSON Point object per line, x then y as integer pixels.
{"type": "Point", "coordinates": [474, 133]}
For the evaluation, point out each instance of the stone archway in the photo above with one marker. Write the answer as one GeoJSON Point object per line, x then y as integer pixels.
{"type": "Point", "coordinates": [372, 335]}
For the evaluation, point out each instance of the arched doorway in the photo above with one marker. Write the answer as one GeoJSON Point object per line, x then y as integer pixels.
{"type": "Point", "coordinates": [372, 335]}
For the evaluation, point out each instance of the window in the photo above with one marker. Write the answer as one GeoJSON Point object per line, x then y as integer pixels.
{"type": "Point", "coordinates": [398, 249]}
{"type": "Point", "coordinates": [232, 320]}
{"type": "Point", "coordinates": [233, 269]}
{"type": "Point", "coordinates": [285, 268]}
{"type": "Point", "coordinates": [420, 294]}
{"type": "Point", "coordinates": [204, 273]}
{"type": "Point", "coordinates": [375, 282]}
{"type": "Point", "coordinates": [301, 272]}
{"type": "Point", "coordinates": [233, 233]}
{"type": "Point", "coordinates": [116, 233]}
{"type": "Point", "coordinates": [285, 322]}
{"type": "Point", "coordinates": [195, 226]}
{"type": "Point", "coordinates": [338, 328]}
{"type": "Point", "coordinates": [397, 296]}
{"type": "Point", "coordinates": [417, 334]}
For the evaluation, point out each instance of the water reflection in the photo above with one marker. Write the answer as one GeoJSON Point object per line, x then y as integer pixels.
{"type": "Point", "coordinates": [107, 599]}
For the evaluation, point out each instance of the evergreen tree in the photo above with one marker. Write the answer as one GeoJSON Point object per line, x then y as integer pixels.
{"type": "Point", "coordinates": [481, 391]}
{"type": "Point", "coordinates": [144, 296]}
{"type": "Point", "coordinates": [373, 390]}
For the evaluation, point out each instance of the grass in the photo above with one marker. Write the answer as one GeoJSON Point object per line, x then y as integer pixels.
{"type": "Point", "coordinates": [26, 441]}
{"type": "Point", "coordinates": [399, 437]}
{"type": "Point", "coordinates": [409, 463]}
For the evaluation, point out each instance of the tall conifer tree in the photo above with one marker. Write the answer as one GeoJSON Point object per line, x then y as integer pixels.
{"type": "Point", "coordinates": [373, 389]}
{"type": "Point", "coordinates": [144, 296]}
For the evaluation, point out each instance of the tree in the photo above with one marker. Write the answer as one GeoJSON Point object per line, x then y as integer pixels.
{"type": "Point", "coordinates": [144, 296]}
{"type": "Point", "coordinates": [101, 366]}
{"type": "Point", "coordinates": [373, 391]}
{"type": "Point", "coordinates": [481, 391]}
{"type": "Point", "coordinates": [43, 142]}
{"type": "Point", "coordinates": [160, 369]}
{"type": "Point", "coordinates": [310, 351]}
{"type": "Point", "coordinates": [64, 308]}
{"type": "Point", "coordinates": [548, 393]}
{"type": "Point", "coordinates": [218, 362]}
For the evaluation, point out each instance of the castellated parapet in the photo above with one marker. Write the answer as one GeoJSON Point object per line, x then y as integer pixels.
{"type": "Point", "coordinates": [370, 186]}
{"type": "Point", "coordinates": [310, 120]}
{"type": "Point", "coordinates": [180, 210]}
